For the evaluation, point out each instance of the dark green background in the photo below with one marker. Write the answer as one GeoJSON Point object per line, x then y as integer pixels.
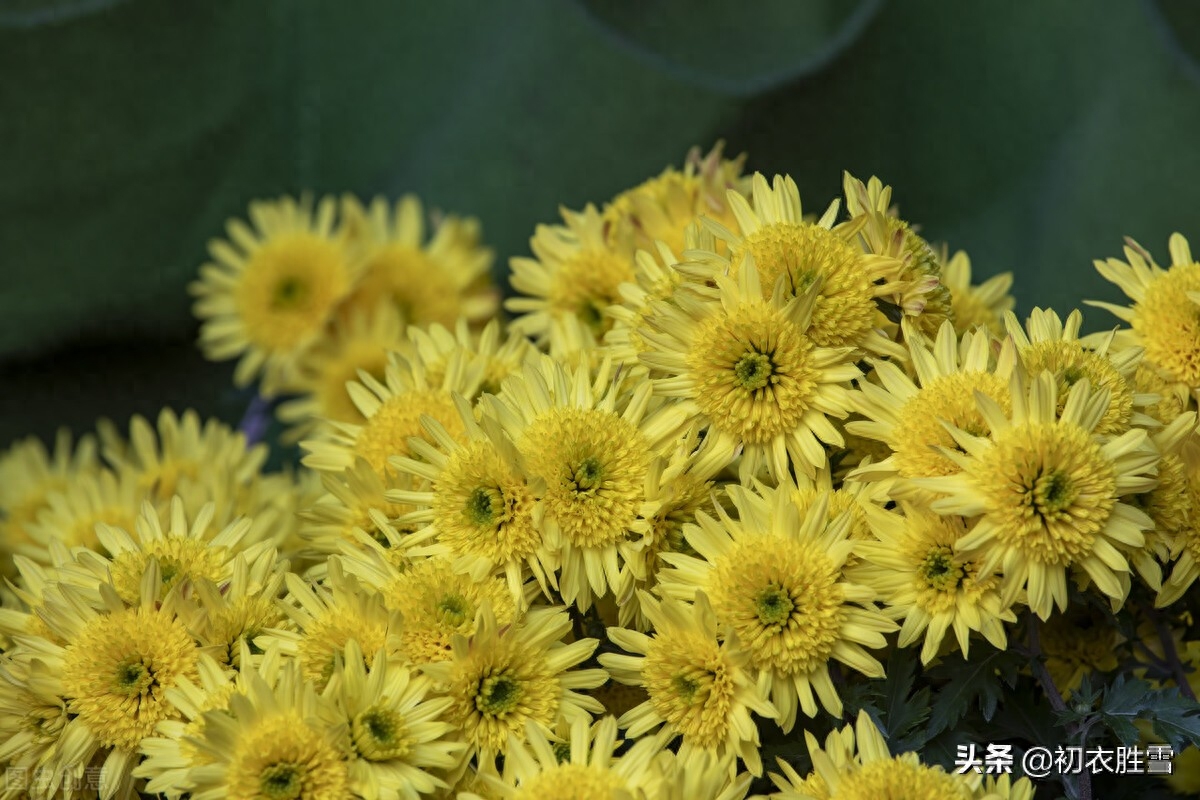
{"type": "Point", "coordinates": [1034, 135]}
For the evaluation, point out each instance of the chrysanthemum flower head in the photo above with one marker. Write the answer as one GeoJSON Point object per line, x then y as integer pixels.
{"type": "Point", "coordinates": [841, 773]}
{"type": "Point", "coordinates": [437, 280]}
{"type": "Point", "coordinates": [360, 341]}
{"type": "Point", "coordinates": [974, 305]}
{"type": "Point", "coordinates": [925, 582]}
{"type": "Point", "coordinates": [271, 288]}
{"type": "Point", "coordinates": [777, 582]}
{"type": "Point", "coordinates": [500, 679]}
{"type": "Point", "coordinates": [230, 614]}
{"type": "Point", "coordinates": [575, 271]}
{"type": "Point", "coordinates": [586, 448]}
{"type": "Point", "coordinates": [773, 237]}
{"type": "Point", "coordinates": [1185, 546]}
{"type": "Point", "coordinates": [276, 740]}
{"type": "Point", "coordinates": [398, 737]}
{"type": "Point", "coordinates": [1053, 345]}
{"type": "Point", "coordinates": [1044, 491]}
{"type": "Point", "coordinates": [1163, 317]}
{"type": "Point", "coordinates": [699, 688]}
{"type": "Point", "coordinates": [907, 413]}
{"type": "Point", "coordinates": [107, 666]}
{"type": "Point", "coordinates": [584, 767]}
{"type": "Point", "coordinates": [1077, 642]}
{"type": "Point", "coordinates": [746, 371]}
{"type": "Point", "coordinates": [29, 476]}
{"type": "Point", "coordinates": [324, 618]}
{"type": "Point", "coordinates": [355, 501]}
{"type": "Point", "coordinates": [72, 514]}
{"type": "Point", "coordinates": [500, 352]}
{"type": "Point", "coordinates": [393, 410]}
{"type": "Point", "coordinates": [479, 507]}
{"type": "Point", "coordinates": [913, 288]}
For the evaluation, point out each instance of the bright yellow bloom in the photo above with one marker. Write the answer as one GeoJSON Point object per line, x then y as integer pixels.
{"type": "Point", "coordinates": [276, 741]}
{"type": "Point", "coordinates": [271, 289]}
{"type": "Point", "coordinates": [502, 679]}
{"type": "Point", "coordinates": [586, 449]}
{"type": "Point", "coordinates": [361, 341]}
{"type": "Point", "coordinates": [575, 272]}
{"type": "Point", "coordinates": [699, 688]}
{"type": "Point", "coordinates": [426, 281]}
{"type": "Point", "coordinates": [777, 583]}
{"type": "Point", "coordinates": [909, 414]}
{"type": "Point", "coordinates": [398, 737]}
{"type": "Point", "coordinates": [1045, 491]}
{"type": "Point", "coordinates": [662, 208]}
{"type": "Point", "coordinates": [928, 584]}
{"type": "Point", "coordinates": [746, 371]}
{"type": "Point", "coordinates": [72, 514]}
{"type": "Point", "coordinates": [774, 238]}
{"type": "Point", "coordinates": [976, 305]}
{"type": "Point", "coordinates": [1163, 317]}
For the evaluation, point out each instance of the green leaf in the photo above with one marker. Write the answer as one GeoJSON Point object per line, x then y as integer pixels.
{"type": "Point", "coordinates": [904, 712]}
{"type": "Point", "coordinates": [978, 682]}
{"type": "Point", "coordinates": [689, 39]}
{"type": "Point", "coordinates": [1174, 717]}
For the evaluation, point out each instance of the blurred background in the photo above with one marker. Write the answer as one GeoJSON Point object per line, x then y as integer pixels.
{"type": "Point", "coordinates": [1033, 135]}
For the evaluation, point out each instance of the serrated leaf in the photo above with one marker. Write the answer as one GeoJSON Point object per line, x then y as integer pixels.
{"type": "Point", "coordinates": [904, 714]}
{"type": "Point", "coordinates": [980, 681]}
{"type": "Point", "coordinates": [1176, 719]}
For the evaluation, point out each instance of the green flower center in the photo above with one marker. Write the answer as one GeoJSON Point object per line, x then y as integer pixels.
{"type": "Point", "coordinates": [753, 371]}
{"type": "Point", "coordinates": [685, 686]}
{"type": "Point", "coordinates": [588, 474]}
{"type": "Point", "coordinates": [132, 677]}
{"type": "Point", "coordinates": [281, 782]}
{"type": "Point", "coordinates": [939, 570]}
{"type": "Point", "coordinates": [379, 734]}
{"type": "Point", "coordinates": [454, 609]}
{"type": "Point", "coordinates": [289, 293]}
{"type": "Point", "coordinates": [498, 694]}
{"type": "Point", "coordinates": [562, 752]}
{"type": "Point", "coordinates": [1052, 494]}
{"type": "Point", "coordinates": [774, 605]}
{"type": "Point", "coordinates": [481, 507]}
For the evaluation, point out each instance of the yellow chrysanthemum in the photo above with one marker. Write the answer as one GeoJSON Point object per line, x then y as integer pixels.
{"type": "Point", "coordinates": [1185, 549]}
{"type": "Point", "coordinates": [584, 767]}
{"type": "Point", "coordinates": [575, 272]}
{"type": "Point", "coordinates": [499, 352]}
{"type": "Point", "coordinates": [362, 341]}
{"type": "Point", "coordinates": [928, 584]}
{"type": "Point", "coordinates": [586, 450]}
{"type": "Point", "coordinates": [479, 506]}
{"type": "Point", "coordinates": [185, 553]}
{"type": "Point", "coordinates": [355, 501]}
{"type": "Point", "coordinates": [393, 411]}
{"type": "Point", "coordinates": [240, 608]}
{"type": "Point", "coordinates": [908, 414]}
{"type": "Point", "coordinates": [71, 515]}
{"type": "Point", "coordinates": [1163, 317]}
{"type": "Point", "coordinates": [502, 679]}
{"type": "Point", "coordinates": [436, 603]}
{"type": "Point", "coordinates": [271, 289]}
{"type": "Point", "coordinates": [29, 475]}
{"type": "Point", "coordinates": [774, 238]}
{"type": "Point", "coordinates": [170, 756]}
{"type": "Point", "coordinates": [699, 688]}
{"type": "Point", "coordinates": [662, 208]}
{"type": "Point", "coordinates": [327, 617]}
{"type": "Point", "coordinates": [276, 741]}
{"type": "Point", "coordinates": [398, 737]}
{"type": "Point", "coordinates": [97, 686]}
{"type": "Point", "coordinates": [841, 773]}
{"type": "Point", "coordinates": [180, 456]}
{"type": "Point", "coordinates": [1054, 346]}
{"type": "Point", "coordinates": [438, 280]}
{"type": "Point", "coordinates": [973, 305]}
{"type": "Point", "coordinates": [746, 371]}
{"type": "Point", "coordinates": [777, 583]}
{"type": "Point", "coordinates": [914, 289]}
{"type": "Point", "coordinates": [1045, 492]}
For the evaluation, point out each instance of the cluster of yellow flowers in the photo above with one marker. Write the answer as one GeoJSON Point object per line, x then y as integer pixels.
{"type": "Point", "coordinates": [723, 457]}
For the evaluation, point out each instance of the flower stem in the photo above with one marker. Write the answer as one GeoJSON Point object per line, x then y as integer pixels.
{"type": "Point", "coordinates": [1042, 674]}
{"type": "Point", "coordinates": [1172, 655]}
